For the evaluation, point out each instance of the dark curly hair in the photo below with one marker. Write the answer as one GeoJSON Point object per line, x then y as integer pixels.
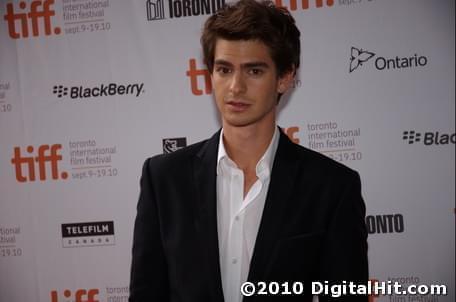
{"type": "Point", "coordinates": [255, 20]}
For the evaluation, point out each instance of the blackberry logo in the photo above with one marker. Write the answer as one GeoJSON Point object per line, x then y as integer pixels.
{"type": "Point", "coordinates": [429, 138]}
{"type": "Point", "coordinates": [171, 145]}
{"type": "Point", "coordinates": [60, 90]}
{"type": "Point", "coordinates": [358, 57]}
{"type": "Point", "coordinates": [81, 92]}
{"type": "Point", "coordinates": [411, 136]}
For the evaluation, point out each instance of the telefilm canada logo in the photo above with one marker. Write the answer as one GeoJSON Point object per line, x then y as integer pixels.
{"type": "Point", "coordinates": [429, 138]}
{"type": "Point", "coordinates": [102, 90]}
{"type": "Point", "coordinates": [172, 9]}
{"type": "Point", "coordinates": [360, 57]}
{"type": "Point", "coordinates": [85, 234]}
{"type": "Point", "coordinates": [171, 145]}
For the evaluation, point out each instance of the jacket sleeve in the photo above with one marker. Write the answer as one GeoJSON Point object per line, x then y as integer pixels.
{"type": "Point", "coordinates": [345, 248]}
{"type": "Point", "coordinates": [149, 275]}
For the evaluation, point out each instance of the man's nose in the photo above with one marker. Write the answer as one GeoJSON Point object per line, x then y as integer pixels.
{"type": "Point", "coordinates": [237, 84]}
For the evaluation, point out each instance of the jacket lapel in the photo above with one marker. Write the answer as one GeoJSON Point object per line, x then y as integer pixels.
{"type": "Point", "coordinates": [283, 175]}
{"type": "Point", "coordinates": [205, 181]}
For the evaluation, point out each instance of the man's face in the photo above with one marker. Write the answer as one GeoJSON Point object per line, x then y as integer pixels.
{"type": "Point", "coordinates": [245, 82]}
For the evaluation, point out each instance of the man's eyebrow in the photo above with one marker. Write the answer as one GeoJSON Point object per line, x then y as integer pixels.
{"type": "Point", "coordinates": [256, 64]}
{"type": "Point", "coordinates": [245, 65]}
{"type": "Point", "coordinates": [222, 62]}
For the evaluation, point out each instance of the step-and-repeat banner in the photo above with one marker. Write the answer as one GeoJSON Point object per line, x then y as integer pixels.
{"type": "Point", "coordinates": [90, 88]}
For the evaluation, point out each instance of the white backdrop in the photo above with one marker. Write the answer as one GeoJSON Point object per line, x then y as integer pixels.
{"type": "Point", "coordinates": [89, 89]}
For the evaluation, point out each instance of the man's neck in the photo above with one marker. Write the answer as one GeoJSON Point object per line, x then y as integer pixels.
{"type": "Point", "coordinates": [246, 145]}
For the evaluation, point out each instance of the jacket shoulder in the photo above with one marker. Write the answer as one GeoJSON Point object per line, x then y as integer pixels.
{"type": "Point", "coordinates": [174, 160]}
{"type": "Point", "coordinates": [322, 164]}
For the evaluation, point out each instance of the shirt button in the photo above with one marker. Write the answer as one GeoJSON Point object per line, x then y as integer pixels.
{"type": "Point", "coordinates": [234, 261]}
{"type": "Point", "coordinates": [236, 218]}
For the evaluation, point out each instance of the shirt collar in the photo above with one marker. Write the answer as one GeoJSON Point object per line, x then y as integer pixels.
{"type": "Point", "coordinates": [264, 165]}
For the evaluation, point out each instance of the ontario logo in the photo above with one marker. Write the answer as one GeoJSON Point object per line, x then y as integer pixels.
{"type": "Point", "coordinates": [23, 20]}
{"type": "Point", "coordinates": [359, 56]}
{"type": "Point", "coordinates": [162, 9]}
{"type": "Point", "coordinates": [81, 92]}
{"type": "Point", "coordinates": [429, 138]}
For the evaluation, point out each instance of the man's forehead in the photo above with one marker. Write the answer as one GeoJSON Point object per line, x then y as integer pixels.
{"type": "Point", "coordinates": [242, 51]}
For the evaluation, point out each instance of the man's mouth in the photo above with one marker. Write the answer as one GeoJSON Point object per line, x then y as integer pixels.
{"type": "Point", "coordinates": [237, 106]}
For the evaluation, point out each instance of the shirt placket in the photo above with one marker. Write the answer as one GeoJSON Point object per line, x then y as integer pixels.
{"type": "Point", "coordinates": [235, 235]}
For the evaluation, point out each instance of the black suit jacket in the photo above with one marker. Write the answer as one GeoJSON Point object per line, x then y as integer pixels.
{"type": "Point", "coordinates": [312, 226]}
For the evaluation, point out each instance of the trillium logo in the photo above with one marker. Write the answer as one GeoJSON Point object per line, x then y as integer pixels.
{"type": "Point", "coordinates": [358, 57]}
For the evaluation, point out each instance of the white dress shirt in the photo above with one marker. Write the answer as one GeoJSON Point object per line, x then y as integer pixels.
{"type": "Point", "coordinates": [238, 218]}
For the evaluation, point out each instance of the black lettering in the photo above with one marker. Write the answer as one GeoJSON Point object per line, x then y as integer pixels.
{"type": "Point", "coordinates": [74, 92]}
{"type": "Point", "coordinates": [112, 89]}
{"type": "Point", "coordinates": [186, 8]}
{"type": "Point", "coordinates": [177, 7]}
{"type": "Point", "coordinates": [370, 224]}
{"type": "Point", "coordinates": [405, 63]}
{"type": "Point", "coordinates": [422, 61]}
{"type": "Point", "coordinates": [95, 92]}
{"type": "Point", "coordinates": [171, 12]}
{"type": "Point", "coordinates": [380, 59]}
{"type": "Point", "coordinates": [381, 223]}
{"type": "Point", "coordinates": [220, 4]}
{"type": "Point", "coordinates": [444, 139]}
{"type": "Point", "coordinates": [103, 91]}
{"type": "Point", "coordinates": [390, 223]}
{"type": "Point", "coordinates": [428, 138]}
{"type": "Point", "coordinates": [392, 62]}
{"type": "Point", "coordinates": [195, 7]}
{"type": "Point", "coordinates": [87, 93]}
{"type": "Point", "coordinates": [453, 138]}
{"type": "Point", "coordinates": [398, 223]}
{"type": "Point", "coordinates": [205, 7]}
{"type": "Point", "coordinates": [121, 89]}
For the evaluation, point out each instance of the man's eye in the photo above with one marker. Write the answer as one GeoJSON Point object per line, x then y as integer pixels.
{"type": "Point", "coordinates": [222, 70]}
{"type": "Point", "coordinates": [255, 71]}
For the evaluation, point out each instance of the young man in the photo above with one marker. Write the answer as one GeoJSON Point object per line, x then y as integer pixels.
{"type": "Point", "coordinates": [247, 204]}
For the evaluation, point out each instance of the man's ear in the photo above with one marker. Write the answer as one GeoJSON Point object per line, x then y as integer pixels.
{"type": "Point", "coordinates": [286, 81]}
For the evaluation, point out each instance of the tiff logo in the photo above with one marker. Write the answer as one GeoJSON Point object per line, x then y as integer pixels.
{"type": "Point", "coordinates": [46, 154]}
{"type": "Point", "coordinates": [38, 10]}
{"type": "Point", "coordinates": [155, 10]}
{"type": "Point", "coordinates": [304, 4]}
{"type": "Point", "coordinates": [290, 132]}
{"type": "Point", "coordinates": [193, 73]}
{"type": "Point", "coordinates": [81, 295]}
{"type": "Point", "coordinates": [411, 136]}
